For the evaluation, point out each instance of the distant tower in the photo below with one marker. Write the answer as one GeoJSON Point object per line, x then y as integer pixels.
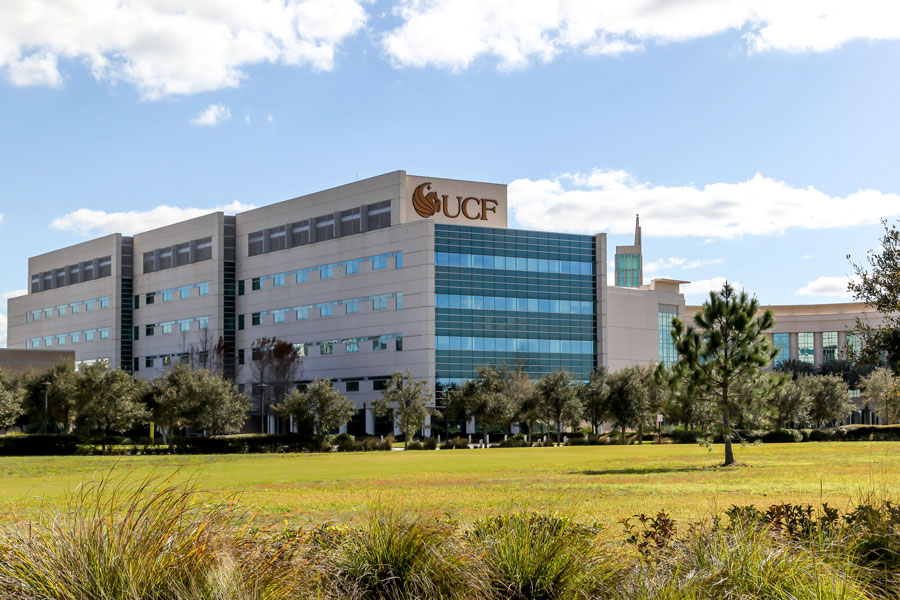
{"type": "Point", "coordinates": [629, 263]}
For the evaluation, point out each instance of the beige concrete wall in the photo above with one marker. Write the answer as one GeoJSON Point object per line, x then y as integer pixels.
{"type": "Point", "coordinates": [21, 328]}
{"type": "Point", "coordinates": [208, 271]}
{"type": "Point", "coordinates": [22, 360]}
{"type": "Point", "coordinates": [633, 327]}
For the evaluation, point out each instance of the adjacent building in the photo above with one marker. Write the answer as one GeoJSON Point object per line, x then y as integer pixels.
{"type": "Point", "coordinates": [390, 273]}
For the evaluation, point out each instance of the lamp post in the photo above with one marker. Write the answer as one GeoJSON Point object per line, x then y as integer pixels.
{"type": "Point", "coordinates": [262, 407]}
{"type": "Point", "coordinates": [46, 385]}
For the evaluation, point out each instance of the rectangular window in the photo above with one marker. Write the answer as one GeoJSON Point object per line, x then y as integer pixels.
{"type": "Point", "coordinates": [203, 322]}
{"type": "Point", "coordinates": [278, 315]}
{"type": "Point", "coordinates": [166, 295]}
{"type": "Point", "coordinates": [184, 292]}
{"type": "Point", "coordinates": [166, 360]}
{"type": "Point", "coordinates": [60, 311]}
{"type": "Point", "coordinates": [150, 298]}
{"type": "Point", "coordinates": [240, 287]}
{"type": "Point", "coordinates": [61, 339]}
{"type": "Point", "coordinates": [325, 228]}
{"type": "Point", "coordinates": [167, 326]}
{"type": "Point", "coordinates": [829, 346]}
{"type": "Point", "coordinates": [148, 330]}
{"type": "Point", "coordinates": [380, 343]}
{"type": "Point", "coordinates": [279, 280]}
{"type": "Point", "coordinates": [667, 353]}
{"type": "Point", "coordinates": [184, 325]}
{"type": "Point", "coordinates": [351, 345]}
{"type": "Point", "coordinates": [240, 322]}
{"type": "Point", "coordinates": [104, 333]}
{"type": "Point", "coordinates": [854, 342]}
{"type": "Point", "coordinates": [380, 302]}
{"type": "Point", "coordinates": [326, 348]}
{"type": "Point", "coordinates": [301, 349]}
{"type": "Point", "coordinates": [203, 288]}
{"type": "Point", "coordinates": [148, 362]}
{"type": "Point", "coordinates": [203, 249]}
{"type": "Point", "coordinates": [165, 259]}
{"type": "Point", "coordinates": [89, 305]}
{"type": "Point", "coordinates": [76, 337]}
{"type": "Point", "coordinates": [806, 351]}
{"type": "Point", "coordinates": [136, 364]}
{"type": "Point", "coordinates": [136, 304]}
{"type": "Point", "coordinates": [136, 333]}
{"type": "Point", "coordinates": [352, 306]}
{"type": "Point", "coordinates": [379, 385]}
{"type": "Point", "coordinates": [350, 221]}
{"type": "Point", "coordinates": [399, 345]}
{"type": "Point", "coordinates": [255, 243]}
{"type": "Point", "coordinates": [256, 319]}
{"type": "Point", "coordinates": [277, 239]}
{"type": "Point", "coordinates": [182, 254]}
{"type": "Point", "coordinates": [326, 271]}
{"type": "Point", "coordinates": [378, 215]}
{"type": "Point", "coordinates": [327, 309]}
{"type": "Point", "coordinates": [352, 386]}
{"type": "Point", "coordinates": [301, 312]}
{"type": "Point", "coordinates": [380, 262]}
{"type": "Point", "coordinates": [149, 262]}
{"type": "Point", "coordinates": [241, 356]}
{"type": "Point", "coordinates": [89, 335]}
{"type": "Point", "coordinates": [255, 284]}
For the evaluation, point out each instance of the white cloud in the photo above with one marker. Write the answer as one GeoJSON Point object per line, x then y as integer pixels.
{"type": "Point", "coordinates": [270, 119]}
{"type": "Point", "coordinates": [454, 33]}
{"type": "Point", "coordinates": [87, 222]}
{"type": "Point", "coordinates": [247, 119]}
{"type": "Point", "coordinates": [212, 115]}
{"type": "Point", "coordinates": [705, 286]}
{"type": "Point", "coordinates": [164, 47]}
{"type": "Point", "coordinates": [679, 263]}
{"type": "Point", "coordinates": [826, 286]}
{"type": "Point", "coordinates": [608, 200]}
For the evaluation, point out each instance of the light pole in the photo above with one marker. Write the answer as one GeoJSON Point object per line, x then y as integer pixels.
{"type": "Point", "coordinates": [262, 407]}
{"type": "Point", "coordinates": [46, 385]}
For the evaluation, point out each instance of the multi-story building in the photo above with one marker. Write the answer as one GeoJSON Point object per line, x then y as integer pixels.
{"type": "Point", "coordinates": [390, 273]}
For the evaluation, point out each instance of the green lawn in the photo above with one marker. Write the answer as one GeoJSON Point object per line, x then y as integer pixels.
{"type": "Point", "coordinates": [597, 483]}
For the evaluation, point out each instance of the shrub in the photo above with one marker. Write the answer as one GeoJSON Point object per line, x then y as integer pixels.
{"type": "Point", "coordinates": [782, 436]}
{"type": "Point", "coordinates": [38, 445]}
{"type": "Point", "coordinates": [397, 556]}
{"type": "Point", "coordinates": [414, 445]}
{"type": "Point", "coordinates": [821, 435]}
{"type": "Point", "coordinates": [537, 556]}
{"type": "Point", "coordinates": [682, 436]}
{"type": "Point", "coordinates": [429, 444]}
{"type": "Point", "coordinates": [152, 541]}
{"type": "Point", "coordinates": [457, 443]}
{"type": "Point", "coordinates": [344, 442]}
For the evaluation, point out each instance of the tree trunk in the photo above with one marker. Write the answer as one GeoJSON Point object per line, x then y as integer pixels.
{"type": "Point", "coordinates": [558, 431]}
{"type": "Point", "coordinates": [729, 452]}
{"type": "Point", "coordinates": [623, 435]}
{"type": "Point", "coordinates": [641, 435]}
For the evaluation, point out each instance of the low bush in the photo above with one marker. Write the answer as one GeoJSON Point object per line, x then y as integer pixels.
{"type": "Point", "coordinates": [344, 442]}
{"type": "Point", "coordinates": [782, 436]}
{"type": "Point", "coordinates": [414, 445]}
{"type": "Point", "coordinates": [457, 443]}
{"type": "Point", "coordinates": [38, 445]}
{"type": "Point", "coordinates": [429, 443]}
{"type": "Point", "coordinates": [683, 436]}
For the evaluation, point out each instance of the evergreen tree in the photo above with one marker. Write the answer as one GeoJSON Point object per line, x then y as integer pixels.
{"type": "Point", "coordinates": [319, 405]}
{"type": "Point", "coordinates": [487, 398]}
{"type": "Point", "coordinates": [726, 344]}
{"type": "Point", "coordinates": [409, 399]}
{"type": "Point", "coordinates": [594, 396]}
{"type": "Point", "coordinates": [558, 400]}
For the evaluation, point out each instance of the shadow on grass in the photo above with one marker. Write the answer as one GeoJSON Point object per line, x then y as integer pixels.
{"type": "Point", "coordinates": [638, 471]}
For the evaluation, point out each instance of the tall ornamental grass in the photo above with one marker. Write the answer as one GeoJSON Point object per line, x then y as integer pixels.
{"type": "Point", "coordinates": [155, 540]}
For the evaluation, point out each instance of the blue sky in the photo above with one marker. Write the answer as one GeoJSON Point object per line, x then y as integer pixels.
{"type": "Point", "coordinates": [758, 140]}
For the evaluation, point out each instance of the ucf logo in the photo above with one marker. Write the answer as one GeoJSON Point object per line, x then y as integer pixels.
{"type": "Point", "coordinates": [474, 209]}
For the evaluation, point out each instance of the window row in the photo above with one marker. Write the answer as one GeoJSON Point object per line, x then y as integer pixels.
{"type": "Point", "coordinates": [72, 274]}
{"type": "Point", "coordinates": [513, 263]}
{"type": "Point", "coordinates": [178, 255]}
{"type": "Point", "coordinates": [379, 262]}
{"type": "Point", "coordinates": [183, 292]}
{"type": "Point", "coordinates": [806, 347]}
{"type": "Point", "coordinates": [183, 325]}
{"type": "Point", "coordinates": [537, 305]}
{"type": "Point", "coordinates": [351, 384]}
{"type": "Point", "coordinates": [320, 229]}
{"type": "Point", "coordinates": [74, 337]}
{"type": "Point", "coordinates": [492, 344]}
{"type": "Point", "coordinates": [167, 360]}
{"type": "Point", "coordinates": [668, 355]}
{"type": "Point", "coordinates": [326, 309]}
{"type": "Point", "coordinates": [511, 236]}
{"type": "Point", "coordinates": [72, 308]}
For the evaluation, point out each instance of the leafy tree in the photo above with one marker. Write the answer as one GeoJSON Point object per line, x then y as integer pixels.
{"type": "Point", "coordinates": [882, 391]}
{"type": "Point", "coordinates": [320, 405]}
{"type": "Point", "coordinates": [558, 400]}
{"type": "Point", "coordinates": [11, 397]}
{"type": "Point", "coordinates": [408, 398]}
{"type": "Point", "coordinates": [594, 395]}
{"type": "Point", "coordinates": [275, 364]}
{"type": "Point", "coordinates": [790, 404]}
{"type": "Point", "coordinates": [520, 389]}
{"type": "Point", "coordinates": [628, 397]}
{"type": "Point", "coordinates": [683, 403]}
{"type": "Point", "coordinates": [828, 398]}
{"type": "Point", "coordinates": [727, 344]}
{"type": "Point", "coordinates": [197, 399]}
{"type": "Point", "coordinates": [880, 288]}
{"type": "Point", "coordinates": [108, 400]}
{"type": "Point", "coordinates": [487, 399]}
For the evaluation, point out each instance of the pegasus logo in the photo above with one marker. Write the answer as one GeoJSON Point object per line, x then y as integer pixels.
{"type": "Point", "coordinates": [427, 205]}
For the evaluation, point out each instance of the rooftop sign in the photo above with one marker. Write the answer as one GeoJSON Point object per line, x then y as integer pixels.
{"type": "Point", "coordinates": [455, 202]}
